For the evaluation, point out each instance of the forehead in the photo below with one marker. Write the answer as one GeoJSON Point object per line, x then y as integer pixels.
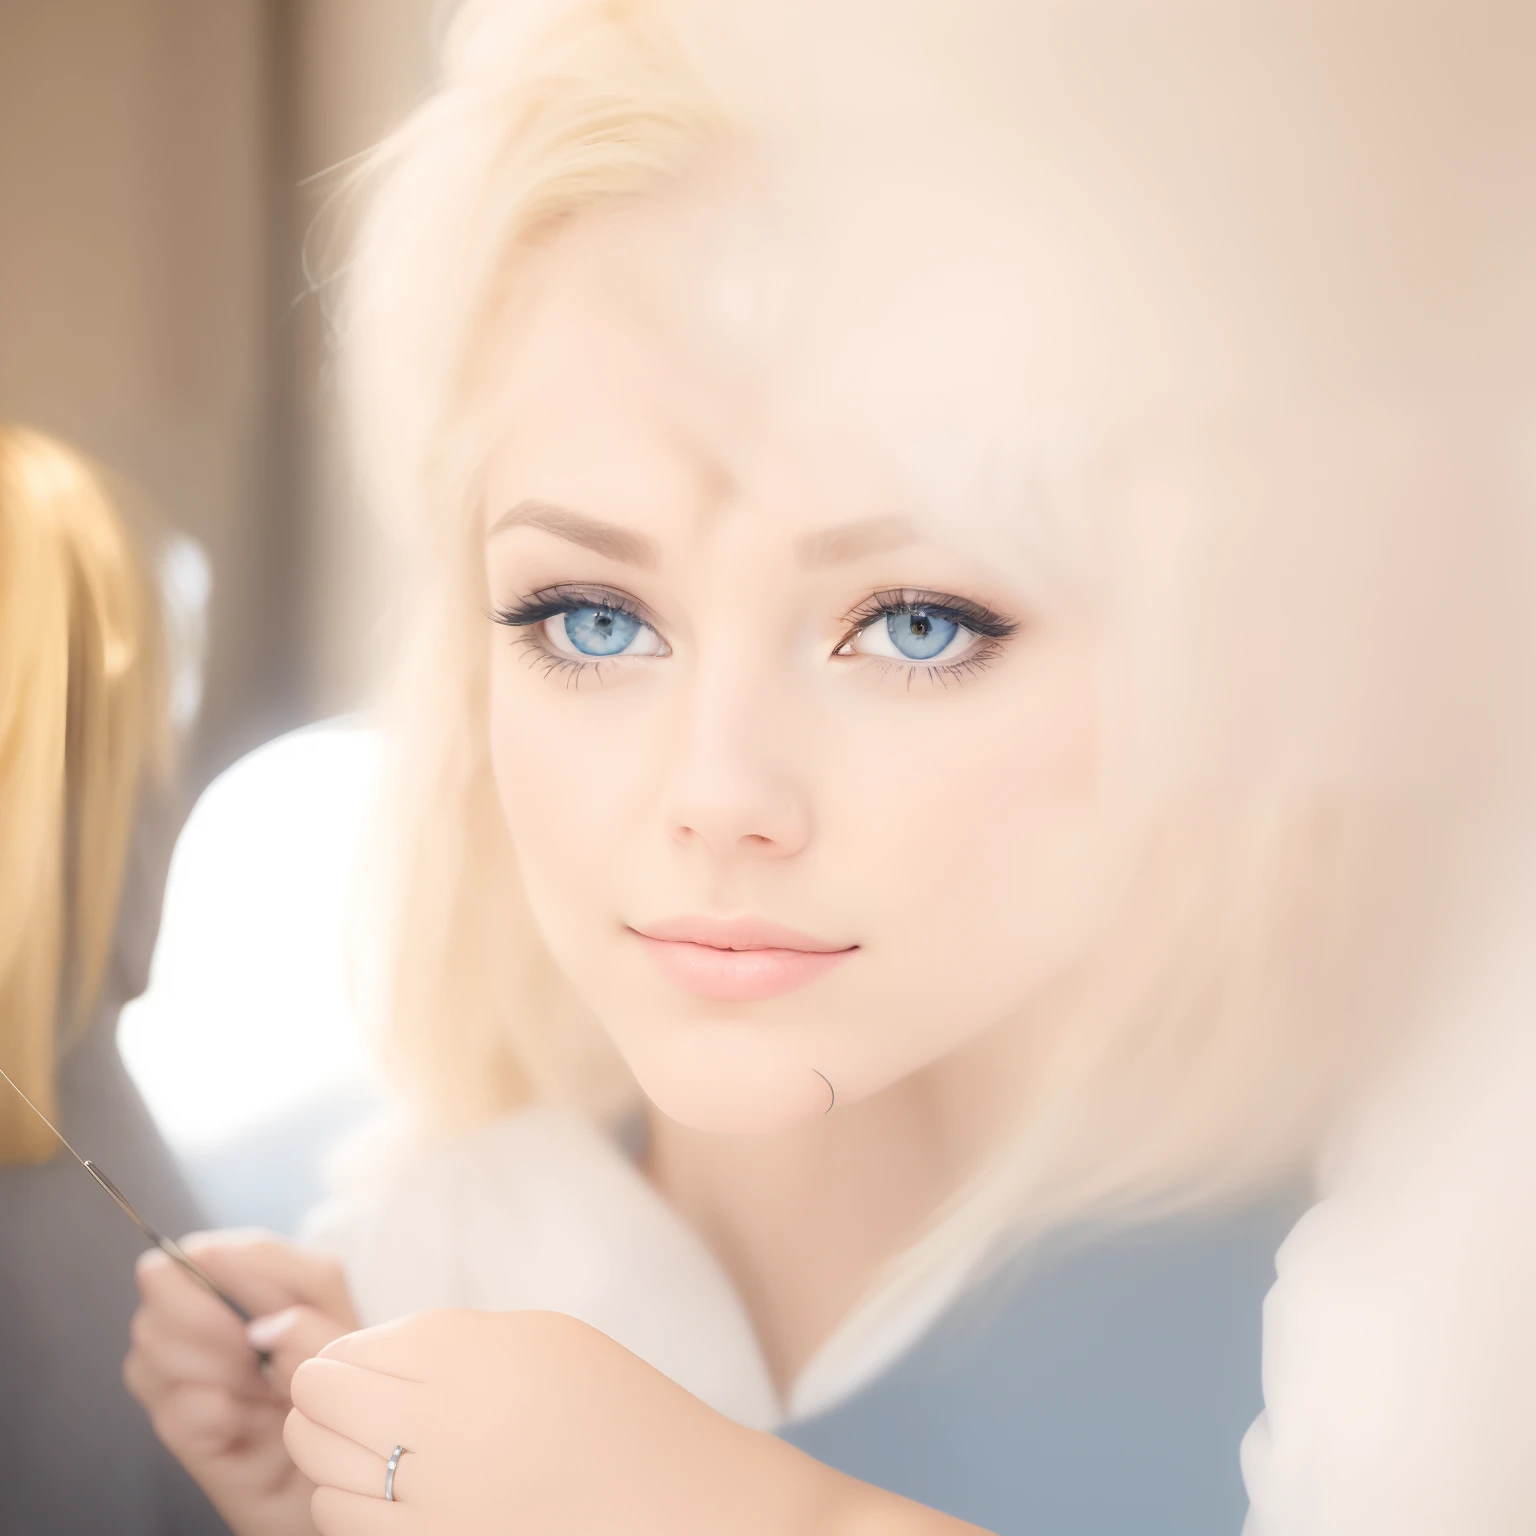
{"type": "Point", "coordinates": [625, 389]}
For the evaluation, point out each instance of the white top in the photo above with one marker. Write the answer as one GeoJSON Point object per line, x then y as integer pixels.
{"type": "Point", "coordinates": [539, 1211]}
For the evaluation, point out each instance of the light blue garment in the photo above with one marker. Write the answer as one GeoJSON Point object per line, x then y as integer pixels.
{"type": "Point", "coordinates": [1098, 1388]}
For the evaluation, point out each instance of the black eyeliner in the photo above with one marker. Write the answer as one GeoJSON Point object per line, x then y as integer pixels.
{"type": "Point", "coordinates": [974, 616]}
{"type": "Point", "coordinates": [551, 602]}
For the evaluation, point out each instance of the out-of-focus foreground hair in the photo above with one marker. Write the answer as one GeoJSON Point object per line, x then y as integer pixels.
{"type": "Point", "coordinates": [1200, 1051]}
{"type": "Point", "coordinates": [82, 722]}
{"type": "Point", "coordinates": [532, 124]}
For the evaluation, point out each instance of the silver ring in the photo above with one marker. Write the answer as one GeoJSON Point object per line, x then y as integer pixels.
{"type": "Point", "coordinates": [389, 1472]}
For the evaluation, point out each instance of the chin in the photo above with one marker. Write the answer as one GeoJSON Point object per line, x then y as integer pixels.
{"type": "Point", "coordinates": [720, 1079]}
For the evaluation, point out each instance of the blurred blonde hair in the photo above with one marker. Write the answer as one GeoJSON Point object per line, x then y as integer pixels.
{"type": "Point", "coordinates": [530, 127]}
{"type": "Point", "coordinates": [1199, 1058]}
{"type": "Point", "coordinates": [82, 719]}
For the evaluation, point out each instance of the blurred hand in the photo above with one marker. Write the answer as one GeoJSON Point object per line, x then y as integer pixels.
{"type": "Point", "coordinates": [194, 1367]}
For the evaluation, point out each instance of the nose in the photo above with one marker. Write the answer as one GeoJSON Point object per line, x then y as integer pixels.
{"type": "Point", "coordinates": [736, 787]}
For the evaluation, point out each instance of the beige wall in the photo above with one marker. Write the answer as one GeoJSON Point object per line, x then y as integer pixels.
{"type": "Point", "coordinates": [150, 214]}
{"type": "Point", "coordinates": [357, 66]}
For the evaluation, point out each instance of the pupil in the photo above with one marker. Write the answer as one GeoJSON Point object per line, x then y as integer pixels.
{"type": "Point", "coordinates": [596, 631]}
{"type": "Point", "coordinates": [919, 635]}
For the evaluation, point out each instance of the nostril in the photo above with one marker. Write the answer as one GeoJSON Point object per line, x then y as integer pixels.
{"type": "Point", "coordinates": [719, 806]}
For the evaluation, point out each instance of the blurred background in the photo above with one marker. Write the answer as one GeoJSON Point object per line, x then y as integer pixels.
{"type": "Point", "coordinates": [165, 170]}
{"type": "Point", "coordinates": [158, 177]}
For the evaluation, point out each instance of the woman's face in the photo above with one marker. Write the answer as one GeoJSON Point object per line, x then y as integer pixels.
{"type": "Point", "coordinates": [803, 797]}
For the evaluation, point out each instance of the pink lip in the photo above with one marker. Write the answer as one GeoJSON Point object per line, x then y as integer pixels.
{"type": "Point", "coordinates": [739, 960]}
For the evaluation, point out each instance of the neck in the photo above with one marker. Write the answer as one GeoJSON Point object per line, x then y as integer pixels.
{"type": "Point", "coordinates": [803, 1219]}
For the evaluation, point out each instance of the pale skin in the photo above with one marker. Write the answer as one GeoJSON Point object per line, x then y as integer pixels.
{"type": "Point", "coordinates": [795, 706]}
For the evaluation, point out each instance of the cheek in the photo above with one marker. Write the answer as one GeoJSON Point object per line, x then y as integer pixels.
{"type": "Point", "coordinates": [992, 849]}
{"type": "Point", "coordinates": [573, 783]}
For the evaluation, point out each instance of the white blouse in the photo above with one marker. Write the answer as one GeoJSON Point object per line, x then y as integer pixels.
{"type": "Point", "coordinates": [540, 1211]}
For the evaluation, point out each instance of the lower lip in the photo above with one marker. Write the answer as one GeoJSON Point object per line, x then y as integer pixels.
{"type": "Point", "coordinates": [738, 975]}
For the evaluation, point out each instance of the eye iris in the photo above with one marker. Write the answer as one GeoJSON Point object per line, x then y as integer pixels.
{"type": "Point", "coordinates": [600, 631]}
{"type": "Point", "coordinates": [919, 634]}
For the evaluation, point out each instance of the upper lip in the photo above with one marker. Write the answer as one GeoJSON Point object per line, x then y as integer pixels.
{"type": "Point", "coordinates": [736, 933]}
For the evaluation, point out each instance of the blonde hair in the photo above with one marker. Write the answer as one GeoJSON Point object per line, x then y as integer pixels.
{"type": "Point", "coordinates": [528, 129]}
{"type": "Point", "coordinates": [1245, 910]}
{"type": "Point", "coordinates": [82, 715]}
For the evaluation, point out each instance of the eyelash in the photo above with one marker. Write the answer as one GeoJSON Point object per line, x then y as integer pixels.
{"type": "Point", "coordinates": [992, 628]}
{"type": "Point", "coordinates": [527, 613]}
{"type": "Point", "coordinates": [976, 617]}
{"type": "Point", "coordinates": [551, 602]}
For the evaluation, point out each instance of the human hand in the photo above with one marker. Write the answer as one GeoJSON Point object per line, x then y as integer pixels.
{"type": "Point", "coordinates": [535, 1420]}
{"type": "Point", "coordinates": [194, 1367]}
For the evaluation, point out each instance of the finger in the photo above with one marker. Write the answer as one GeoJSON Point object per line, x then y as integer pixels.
{"type": "Point", "coordinates": [291, 1337]}
{"type": "Point", "coordinates": [266, 1273]}
{"type": "Point", "coordinates": [145, 1382]}
{"type": "Point", "coordinates": [182, 1304]}
{"type": "Point", "coordinates": [203, 1422]}
{"type": "Point", "coordinates": [179, 1357]}
{"type": "Point", "coordinates": [181, 1320]}
{"type": "Point", "coordinates": [411, 1347]}
{"type": "Point", "coordinates": [330, 1460]}
{"type": "Point", "coordinates": [338, 1513]}
{"type": "Point", "coordinates": [376, 1411]}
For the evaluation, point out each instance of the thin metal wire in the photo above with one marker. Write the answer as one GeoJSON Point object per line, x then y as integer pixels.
{"type": "Point", "coordinates": [41, 1116]}
{"type": "Point", "coordinates": [170, 1249]}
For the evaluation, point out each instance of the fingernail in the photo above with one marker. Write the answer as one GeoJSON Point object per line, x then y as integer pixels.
{"type": "Point", "coordinates": [264, 1332]}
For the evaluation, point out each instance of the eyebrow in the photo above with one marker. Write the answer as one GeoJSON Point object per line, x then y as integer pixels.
{"type": "Point", "coordinates": [837, 546]}
{"type": "Point", "coordinates": [831, 546]}
{"type": "Point", "coordinates": [602, 538]}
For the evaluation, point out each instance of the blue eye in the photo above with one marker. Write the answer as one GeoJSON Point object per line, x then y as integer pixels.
{"type": "Point", "coordinates": [920, 634]}
{"type": "Point", "coordinates": [583, 628]}
{"type": "Point", "coordinates": [589, 632]}
{"type": "Point", "coordinates": [601, 631]}
{"type": "Point", "coordinates": [909, 628]}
